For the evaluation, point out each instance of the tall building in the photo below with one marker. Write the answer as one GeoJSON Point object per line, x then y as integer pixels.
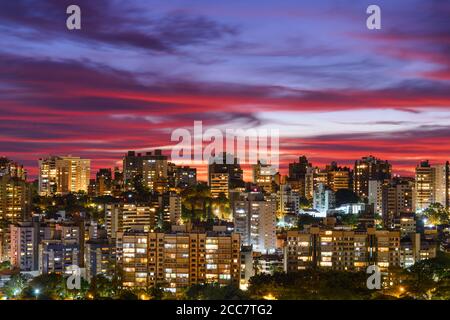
{"type": "Point", "coordinates": [103, 179]}
{"type": "Point", "coordinates": [57, 256]}
{"type": "Point", "coordinates": [63, 250]}
{"type": "Point", "coordinates": [367, 169]}
{"type": "Point", "coordinates": [264, 176]}
{"type": "Point", "coordinates": [397, 199]}
{"type": "Point", "coordinates": [170, 207]}
{"type": "Point", "coordinates": [179, 259]}
{"type": "Point", "coordinates": [120, 217]}
{"type": "Point", "coordinates": [24, 251]}
{"type": "Point", "coordinates": [288, 200]}
{"type": "Point", "coordinates": [12, 169]}
{"type": "Point", "coordinates": [424, 189]}
{"type": "Point", "coordinates": [48, 179]}
{"type": "Point", "coordinates": [338, 177]}
{"type": "Point", "coordinates": [432, 185]}
{"type": "Point", "coordinates": [324, 199]}
{"type": "Point", "coordinates": [219, 184]}
{"type": "Point", "coordinates": [15, 199]}
{"type": "Point", "coordinates": [98, 257]}
{"type": "Point", "coordinates": [375, 195]}
{"type": "Point", "coordinates": [297, 175]}
{"type": "Point", "coordinates": [224, 174]}
{"type": "Point", "coordinates": [62, 175]}
{"type": "Point", "coordinates": [254, 219]}
{"type": "Point", "coordinates": [185, 177]}
{"type": "Point", "coordinates": [150, 170]}
{"type": "Point", "coordinates": [442, 184]}
{"type": "Point", "coordinates": [154, 171]}
{"type": "Point", "coordinates": [132, 167]}
{"type": "Point", "coordinates": [337, 249]}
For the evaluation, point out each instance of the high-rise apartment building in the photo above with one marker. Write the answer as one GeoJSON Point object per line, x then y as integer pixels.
{"type": "Point", "coordinates": [424, 189]}
{"type": "Point", "coordinates": [254, 218]}
{"type": "Point", "coordinates": [288, 200]}
{"type": "Point", "coordinates": [185, 177]}
{"type": "Point", "coordinates": [170, 207]}
{"type": "Point", "coordinates": [338, 177]}
{"type": "Point", "coordinates": [62, 175]}
{"type": "Point", "coordinates": [179, 259]}
{"type": "Point", "coordinates": [337, 249]}
{"type": "Point", "coordinates": [219, 184]}
{"type": "Point", "coordinates": [15, 199]}
{"type": "Point", "coordinates": [103, 179]}
{"type": "Point", "coordinates": [397, 199]}
{"type": "Point", "coordinates": [375, 195]}
{"type": "Point", "coordinates": [24, 251]}
{"type": "Point", "coordinates": [120, 217]}
{"type": "Point", "coordinates": [263, 176]}
{"type": "Point", "coordinates": [297, 175]}
{"type": "Point", "coordinates": [224, 174]}
{"type": "Point", "coordinates": [149, 169]}
{"type": "Point", "coordinates": [98, 257]}
{"type": "Point", "coordinates": [324, 199]}
{"type": "Point", "coordinates": [367, 169]}
{"type": "Point", "coordinates": [12, 169]}
{"type": "Point", "coordinates": [442, 184]}
{"type": "Point", "coordinates": [48, 179]}
{"type": "Point", "coordinates": [63, 250]}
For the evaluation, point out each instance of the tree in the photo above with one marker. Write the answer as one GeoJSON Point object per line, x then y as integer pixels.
{"type": "Point", "coordinates": [310, 284]}
{"type": "Point", "coordinates": [344, 196]}
{"type": "Point", "coordinates": [436, 214]}
{"type": "Point", "coordinates": [348, 219]}
{"type": "Point", "coordinates": [429, 278]}
{"type": "Point", "coordinates": [221, 207]}
{"type": "Point", "coordinates": [49, 287]}
{"type": "Point", "coordinates": [305, 219]}
{"type": "Point", "coordinates": [101, 287]}
{"type": "Point", "coordinates": [15, 285]}
{"type": "Point", "coordinates": [196, 203]}
{"type": "Point", "coordinates": [5, 265]}
{"type": "Point", "coordinates": [213, 292]}
{"type": "Point", "coordinates": [127, 295]}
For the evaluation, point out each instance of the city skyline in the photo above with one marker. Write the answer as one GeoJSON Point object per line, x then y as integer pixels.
{"type": "Point", "coordinates": [137, 71]}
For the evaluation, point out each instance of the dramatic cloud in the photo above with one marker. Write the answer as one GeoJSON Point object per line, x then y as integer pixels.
{"type": "Point", "coordinates": [139, 69]}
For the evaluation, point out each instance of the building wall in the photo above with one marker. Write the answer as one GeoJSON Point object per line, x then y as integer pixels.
{"type": "Point", "coordinates": [341, 250]}
{"type": "Point", "coordinates": [178, 260]}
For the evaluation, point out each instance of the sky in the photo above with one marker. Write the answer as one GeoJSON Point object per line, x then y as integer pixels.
{"type": "Point", "coordinates": [137, 70]}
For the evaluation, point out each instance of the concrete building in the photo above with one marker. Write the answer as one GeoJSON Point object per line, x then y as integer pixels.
{"type": "Point", "coordinates": [375, 196]}
{"type": "Point", "coordinates": [219, 184]}
{"type": "Point", "coordinates": [398, 199]}
{"type": "Point", "coordinates": [336, 249]}
{"type": "Point", "coordinates": [99, 256]}
{"type": "Point", "coordinates": [224, 174]}
{"type": "Point", "coordinates": [62, 175]}
{"type": "Point", "coordinates": [367, 169]}
{"type": "Point", "coordinates": [15, 199]}
{"type": "Point", "coordinates": [324, 199]}
{"type": "Point", "coordinates": [254, 218]}
{"type": "Point", "coordinates": [263, 176]}
{"type": "Point", "coordinates": [288, 201]}
{"type": "Point", "coordinates": [24, 252]}
{"type": "Point", "coordinates": [120, 217]}
{"type": "Point", "coordinates": [149, 169]}
{"type": "Point", "coordinates": [179, 259]}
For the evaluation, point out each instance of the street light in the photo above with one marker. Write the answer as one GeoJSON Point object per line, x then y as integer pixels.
{"type": "Point", "coordinates": [36, 292]}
